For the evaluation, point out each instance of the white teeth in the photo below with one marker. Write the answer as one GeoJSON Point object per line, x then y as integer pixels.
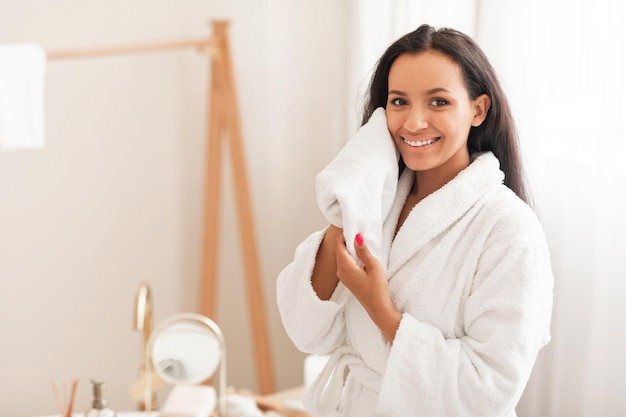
{"type": "Point", "coordinates": [420, 142]}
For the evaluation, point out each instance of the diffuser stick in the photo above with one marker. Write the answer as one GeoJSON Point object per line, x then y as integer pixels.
{"type": "Point", "coordinates": [57, 396]}
{"type": "Point", "coordinates": [65, 403]}
{"type": "Point", "coordinates": [70, 406]}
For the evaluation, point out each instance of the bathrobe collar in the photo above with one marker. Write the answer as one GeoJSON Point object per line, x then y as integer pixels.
{"type": "Point", "coordinates": [439, 210]}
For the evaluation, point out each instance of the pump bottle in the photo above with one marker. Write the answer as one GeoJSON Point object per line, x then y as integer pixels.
{"type": "Point", "coordinates": [99, 407]}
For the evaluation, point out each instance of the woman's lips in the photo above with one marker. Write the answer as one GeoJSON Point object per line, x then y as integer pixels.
{"type": "Point", "coordinates": [418, 143]}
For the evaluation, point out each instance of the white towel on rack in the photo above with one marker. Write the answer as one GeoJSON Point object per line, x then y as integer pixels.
{"type": "Point", "coordinates": [355, 190]}
{"type": "Point", "coordinates": [22, 76]}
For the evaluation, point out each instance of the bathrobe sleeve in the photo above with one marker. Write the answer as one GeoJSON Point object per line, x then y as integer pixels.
{"type": "Point", "coordinates": [314, 325]}
{"type": "Point", "coordinates": [506, 321]}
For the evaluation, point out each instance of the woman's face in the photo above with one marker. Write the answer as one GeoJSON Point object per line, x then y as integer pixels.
{"type": "Point", "coordinates": [429, 113]}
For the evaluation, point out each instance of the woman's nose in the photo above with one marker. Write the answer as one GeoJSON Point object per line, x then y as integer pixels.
{"type": "Point", "coordinates": [416, 120]}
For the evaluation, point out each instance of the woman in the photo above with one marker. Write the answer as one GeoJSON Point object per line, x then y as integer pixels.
{"type": "Point", "coordinates": [448, 317]}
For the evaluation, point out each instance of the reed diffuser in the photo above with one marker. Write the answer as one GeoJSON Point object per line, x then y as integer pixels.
{"type": "Point", "coordinates": [65, 402]}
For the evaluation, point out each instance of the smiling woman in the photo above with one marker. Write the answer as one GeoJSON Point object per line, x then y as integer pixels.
{"type": "Point", "coordinates": [563, 67]}
{"type": "Point", "coordinates": [448, 318]}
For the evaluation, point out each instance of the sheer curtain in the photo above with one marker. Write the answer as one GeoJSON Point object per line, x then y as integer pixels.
{"type": "Point", "coordinates": [563, 65]}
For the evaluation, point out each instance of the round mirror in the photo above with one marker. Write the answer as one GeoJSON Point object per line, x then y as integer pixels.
{"type": "Point", "coordinates": [187, 349]}
{"type": "Point", "coordinates": [186, 353]}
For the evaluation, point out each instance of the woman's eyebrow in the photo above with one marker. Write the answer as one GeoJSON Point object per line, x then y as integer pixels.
{"type": "Point", "coordinates": [437, 90]}
{"type": "Point", "coordinates": [427, 92]}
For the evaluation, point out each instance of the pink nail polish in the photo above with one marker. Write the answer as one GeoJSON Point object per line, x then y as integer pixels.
{"type": "Point", "coordinates": [359, 239]}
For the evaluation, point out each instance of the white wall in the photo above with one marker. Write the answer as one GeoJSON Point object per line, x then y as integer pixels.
{"type": "Point", "coordinates": [115, 197]}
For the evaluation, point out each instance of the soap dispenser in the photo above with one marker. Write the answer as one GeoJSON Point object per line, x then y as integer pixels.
{"type": "Point", "coordinates": [99, 406]}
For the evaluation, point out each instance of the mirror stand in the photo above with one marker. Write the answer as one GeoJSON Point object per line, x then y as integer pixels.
{"type": "Point", "coordinates": [186, 349]}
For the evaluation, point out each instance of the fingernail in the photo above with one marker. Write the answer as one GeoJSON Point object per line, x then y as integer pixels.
{"type": "Point", "coordinates": [358, 239]}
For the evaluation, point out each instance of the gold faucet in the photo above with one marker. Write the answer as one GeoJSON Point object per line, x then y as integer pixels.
{"type": "Point", "coordinates": [143, 318]}
{"type": "Point", "coordinates": [142, 321]}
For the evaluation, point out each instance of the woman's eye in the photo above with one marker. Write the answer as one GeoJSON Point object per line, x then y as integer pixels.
{"type": "Point", "coordinates": [439, 102]}
{"type": "Point", "coordinates": [397, 101]}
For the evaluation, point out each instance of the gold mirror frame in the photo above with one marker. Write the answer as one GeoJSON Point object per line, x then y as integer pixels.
{"type": "Point", "coordinates": [188, 319]}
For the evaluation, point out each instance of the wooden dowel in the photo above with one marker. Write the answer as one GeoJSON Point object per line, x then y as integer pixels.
{"type": "Point", "coordinates": [216, 125]}
{"type": "Point", "coordinates": [202, 44]}
{"type": "Point", "coordinates": [246, 225]}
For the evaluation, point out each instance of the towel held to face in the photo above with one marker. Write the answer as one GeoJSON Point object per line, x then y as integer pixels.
{"type": "Point", "coordinates": [356, 189]}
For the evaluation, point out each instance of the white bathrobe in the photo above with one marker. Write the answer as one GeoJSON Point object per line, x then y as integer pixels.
{"type": "Point", "coordinates": [469, 269]}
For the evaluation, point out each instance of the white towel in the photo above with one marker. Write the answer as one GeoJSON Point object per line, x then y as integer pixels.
{"type": "Point", "coordinates": [356, 189]}
{"type": "Point", "coordinates": [22, 76]}
{"type": "Point", "coordinates": [238, 405]}
{"type": "Point", "coordinates": [189, 401]}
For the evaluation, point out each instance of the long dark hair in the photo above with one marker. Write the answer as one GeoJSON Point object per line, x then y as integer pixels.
{"type": "Point", "coordinates": [497, 133]}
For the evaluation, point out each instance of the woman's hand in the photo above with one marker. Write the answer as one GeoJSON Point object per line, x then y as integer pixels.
{"type": "Point", "coordinates": [369, 285]}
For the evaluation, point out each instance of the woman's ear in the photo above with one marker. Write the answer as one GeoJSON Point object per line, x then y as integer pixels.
{"type": "Point", "coordinates": [481, 107]}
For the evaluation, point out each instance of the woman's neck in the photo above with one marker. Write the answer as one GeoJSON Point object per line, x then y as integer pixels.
{"type": "Point", "coordinates": [429, 181]}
